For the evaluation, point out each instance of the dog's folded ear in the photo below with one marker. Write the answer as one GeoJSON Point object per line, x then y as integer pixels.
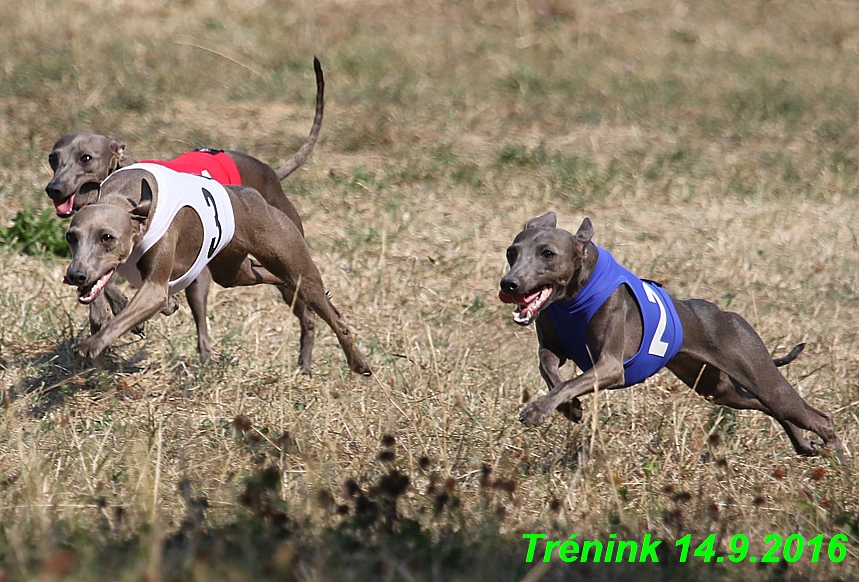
{"type": "Point", "coordinates": [584, 235]}
{"type": "Point", "coordinates": [141, 212]}
{"type": "Point", "coordinates": [117, 151]}
{"type": "Point", "coordinates": [548, 220]}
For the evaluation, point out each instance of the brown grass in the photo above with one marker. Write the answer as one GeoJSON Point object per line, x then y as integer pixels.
{"type": "Point", "coordinates": [713, 144]}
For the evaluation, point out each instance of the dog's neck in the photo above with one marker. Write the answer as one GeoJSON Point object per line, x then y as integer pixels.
{"type": "Point", "coordinates": [583, 272]}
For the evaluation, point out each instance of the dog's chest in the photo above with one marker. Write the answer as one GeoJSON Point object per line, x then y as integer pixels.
{"type": "Point", "coordinates": [662, 332]}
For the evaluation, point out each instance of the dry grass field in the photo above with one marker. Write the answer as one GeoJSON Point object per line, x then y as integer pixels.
{"type": "Point", "coordinates": [715, 146]}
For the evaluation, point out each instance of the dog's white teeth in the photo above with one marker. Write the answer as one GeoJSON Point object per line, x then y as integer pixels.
{"type": "Point", "coordinates": [90, 295]}
{"type": "Point", "coordinates": [521, 317]}
{"type": "Point", "coordinates": [525, 312]}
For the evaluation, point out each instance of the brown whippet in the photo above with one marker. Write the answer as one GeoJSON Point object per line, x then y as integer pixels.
{"type": "Point", "coordinates": [110, 234]}
{"type": "Point", "coordinates": [81, 161]}
{"type": "Point", "coordinates": [614, 325]}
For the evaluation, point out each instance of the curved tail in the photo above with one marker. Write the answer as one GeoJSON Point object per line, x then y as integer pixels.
{"type": "Point", "coordinates": [791, 356]}
{"type": "Point", "coordinates": [306, 149]}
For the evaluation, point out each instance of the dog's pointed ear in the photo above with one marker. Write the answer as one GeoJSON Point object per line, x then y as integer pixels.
{"type": "Point", "coordinates": [584, 236]}
{"type": "Point", "coordinates": [117, 154]}
{"type": "Point", "coordinates": [141, 212]}
{"type": "Point", "coordinates": [548, 220]}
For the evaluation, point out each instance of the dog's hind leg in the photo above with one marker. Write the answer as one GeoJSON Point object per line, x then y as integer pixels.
{"type": "Point", "coordinates": [727, 342]}
{"type": "Point", "coordinates": [316, 300]}
{"type": "Point", "coordinates": [311, 294]}
{"type": "Point", "coordinates": [286, 262]}
{"type": "Point", "coordinates": [290, 261]}
{"type": "Point", "coordinates": [248, 273]}
{"type": "Point", "coordinates": [197, 294]}
{"type": "Point", "coordinates": [718, 388]}
{"type": "Point", "coordinates": [307, 322]}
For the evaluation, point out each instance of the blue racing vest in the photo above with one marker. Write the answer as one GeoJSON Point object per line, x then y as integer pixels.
{"type": "Point", "coordinates": [663, 332]}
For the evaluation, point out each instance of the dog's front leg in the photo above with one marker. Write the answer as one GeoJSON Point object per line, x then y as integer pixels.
{"type": "Point", "coordinates": [550, 367]}
{"type": "Point", "coordinates": [117, 301]}
{"type": "Point", "coordinates": [149, 300]}
{"type": "Point", "coordinates": [550, 363]}
{"type": "Point", "coordinates": [607, 335]}
{"type": "Point", "coordinates": [99, 313]}
{"type": "Point", "coordinates": [607, 373]}
{"type": "Point", "coordinates": [552, 357]}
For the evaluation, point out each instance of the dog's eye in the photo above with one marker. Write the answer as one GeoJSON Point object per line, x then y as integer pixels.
{"type": "Point", "coordinates": [511, 256]}
{"type": "Point", "coordinates": [547, 254]}
{"type": "Point", "coordinates": [86, 158]}
{"type": "Point", "coordinates": [53, 161]}
{"type": "Point", "coordinates": [106, 238]}
{"type": "Point", "coordinates": [71, 238]}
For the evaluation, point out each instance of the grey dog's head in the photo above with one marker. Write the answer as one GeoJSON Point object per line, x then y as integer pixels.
{"type": "Point", "coordinates": [81, 161]}
{"type": "Point", "coordinates": [101, 237]}
{"type": "Point", "coordinates": [545, 262]}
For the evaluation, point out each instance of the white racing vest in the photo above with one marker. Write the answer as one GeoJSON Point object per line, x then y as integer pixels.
{"type": "Point", "coordinates": [176, 190]}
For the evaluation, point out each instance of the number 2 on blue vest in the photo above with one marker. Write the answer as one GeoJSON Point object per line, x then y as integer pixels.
{"type": "Point", "coordinates": [658, 346]}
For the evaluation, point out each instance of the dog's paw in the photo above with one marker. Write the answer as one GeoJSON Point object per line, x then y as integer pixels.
{"type": "Point", "coordinates": [807, 448]}
{"type": "Point", "coordinates": [535, 413]}
{"type": "Point", "coordinates": [171, 307]}
{"type": "Point", "coordinates": [357, 362]}
{"type": "Point", "coordinates": [139, 330]}
{"type": "Point", "coordinates": [572, 410]}
{"type": "Point", "coordinates": [87, 349]}
{"type": "Point", "coordinates": [361, 366]}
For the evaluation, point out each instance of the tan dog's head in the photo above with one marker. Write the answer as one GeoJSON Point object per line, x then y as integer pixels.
{"type": "Point", "coordinates": [81, 161]}
{"type": "Point", "coordinates": [545, 266]}
{"type": "Point", "coordinates": [101, 237]}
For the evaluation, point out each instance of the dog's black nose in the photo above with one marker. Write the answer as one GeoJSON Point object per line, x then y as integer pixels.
{"type": "Point", "coordinates": [76, 276]}
{"type": "Point", "coordinates": [511, 285]}
{"type": "Point", "coordinates": [54, 192]}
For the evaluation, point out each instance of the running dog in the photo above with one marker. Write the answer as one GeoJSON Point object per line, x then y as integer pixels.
{"type": "Point", "coordinates": [620, 330]}
{"type": "Point", "coordinates": [160, 228]}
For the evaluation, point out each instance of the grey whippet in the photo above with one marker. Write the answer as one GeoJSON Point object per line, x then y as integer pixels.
{"type": "Point", "coordinates": [718, 353]}
{"type": "Point", "coordinates": [104, 236]}
{"type": "Point", "coordinates": [81, 161]}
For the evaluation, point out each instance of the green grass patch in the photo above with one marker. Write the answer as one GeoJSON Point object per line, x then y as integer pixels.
{"type": "Point", "coordinates": [36, 234]}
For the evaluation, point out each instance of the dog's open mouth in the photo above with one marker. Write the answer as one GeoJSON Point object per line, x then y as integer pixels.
{"type": "Point", "coordinates": [528, 305]}
{"type": "Point", "coordinates": [88, 293]}
{"type": "Point", "coordinates": [65, 207]}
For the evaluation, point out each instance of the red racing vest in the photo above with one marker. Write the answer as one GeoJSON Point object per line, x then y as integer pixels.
{"type": "Point", "coordinates": [214, 164]}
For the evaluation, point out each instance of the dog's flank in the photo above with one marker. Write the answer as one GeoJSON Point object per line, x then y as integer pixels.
{"type": "Point", "coordinates": [719, 355]}
{"type": "Point", "coordinates": [81, 161]}
{"type": "Point", "coordinates": [102, 236]}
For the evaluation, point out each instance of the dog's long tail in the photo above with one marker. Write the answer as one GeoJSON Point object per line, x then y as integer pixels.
{"type": "Point", "coordinates": [791, 356]}
{"type": "Point", "coordinates": [307, 148]}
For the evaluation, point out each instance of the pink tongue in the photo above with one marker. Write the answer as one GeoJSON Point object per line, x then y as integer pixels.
{"type": "Point", "coordinates": [66, 206]}
{"type": "Point", "coordinates": [527, 300]}
{"type": "Point", "coordinates": [519, 299]}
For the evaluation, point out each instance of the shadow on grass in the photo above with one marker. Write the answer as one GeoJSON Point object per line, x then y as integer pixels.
{"type": "Point", "coordinates": [57, 373]}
